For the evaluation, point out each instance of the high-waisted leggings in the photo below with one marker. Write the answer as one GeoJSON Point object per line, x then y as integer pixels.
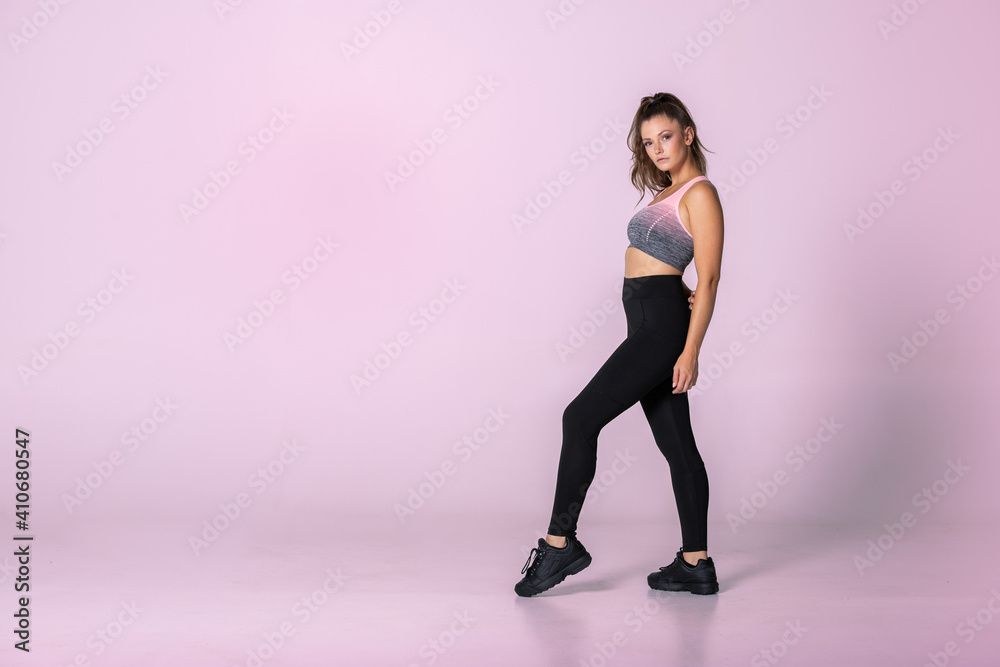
{"type": "Point", "coordinates": [640, 369]}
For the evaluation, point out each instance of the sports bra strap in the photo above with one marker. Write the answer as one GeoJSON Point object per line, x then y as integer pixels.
{"type": "Point", "coordinates": [687, 185]}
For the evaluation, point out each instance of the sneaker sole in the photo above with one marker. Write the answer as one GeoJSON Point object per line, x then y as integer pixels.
{"type": "Point", "coordinates": [573, 568]}
{"type": "Point", "coordinates": [697, 589]}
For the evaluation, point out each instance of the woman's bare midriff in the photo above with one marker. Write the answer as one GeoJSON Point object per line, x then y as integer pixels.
{"type": "Point", "coordinates": [639, 264]}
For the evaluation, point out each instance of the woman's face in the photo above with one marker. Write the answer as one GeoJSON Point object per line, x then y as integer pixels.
{"type": "Point", "coordinates": [664, 142]}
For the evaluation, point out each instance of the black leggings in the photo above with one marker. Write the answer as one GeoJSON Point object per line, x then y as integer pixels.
{"type": "Point", "coordinates": [640, 369]}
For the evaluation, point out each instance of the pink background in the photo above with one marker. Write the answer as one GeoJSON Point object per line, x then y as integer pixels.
{"type": "Point", "coordinates": [495, 346]}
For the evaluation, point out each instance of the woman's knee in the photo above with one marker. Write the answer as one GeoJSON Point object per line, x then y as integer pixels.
{"type": "Point", "coordinates": [572, 417]}
{"type": "Point", "coordinates": [579, 418]}
{"type": "Point", "coordinates": [588, 413]}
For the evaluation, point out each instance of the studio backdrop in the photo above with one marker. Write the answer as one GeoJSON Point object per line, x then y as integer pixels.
{"type": "Point", "coordinates": [269, 268]}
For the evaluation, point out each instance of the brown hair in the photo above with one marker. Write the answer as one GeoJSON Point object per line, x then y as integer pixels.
{"type": "Point", "coordinates": [645, 174]}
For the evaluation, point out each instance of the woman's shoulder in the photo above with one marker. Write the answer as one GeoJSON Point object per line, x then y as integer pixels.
{"type": "Point", "coordinates": [703, 192]}
{"type": "Point", "coordinates": [703, 183]}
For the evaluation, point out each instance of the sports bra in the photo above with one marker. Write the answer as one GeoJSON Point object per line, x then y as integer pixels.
{"type": "Point", "coordinates": [656, 230]}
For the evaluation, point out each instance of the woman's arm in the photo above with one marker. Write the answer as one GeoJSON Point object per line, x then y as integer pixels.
{"type": "Point", "coordinates": [705, 218]}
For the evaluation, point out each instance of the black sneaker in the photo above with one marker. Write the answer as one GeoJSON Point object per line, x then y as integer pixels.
{"type": "Point", "coordinates": [551, 566]}
{"type": "Point", "coordinates": [680, 576]}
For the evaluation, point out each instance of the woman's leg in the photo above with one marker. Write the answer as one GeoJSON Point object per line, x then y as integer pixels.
{"type": "Point", "coordinates": [670, 420]}
{"type": "Point", "coordinates": [639, 364]}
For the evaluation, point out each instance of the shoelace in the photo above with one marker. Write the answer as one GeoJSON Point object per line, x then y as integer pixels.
{"type": "Point", "coordinates": [534, 552]}
{"type": "Point", "coordinates": [667, 567]}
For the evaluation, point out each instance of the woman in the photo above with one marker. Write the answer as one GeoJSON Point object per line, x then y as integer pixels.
{"type": "Point", "coordinates": [658, 361]}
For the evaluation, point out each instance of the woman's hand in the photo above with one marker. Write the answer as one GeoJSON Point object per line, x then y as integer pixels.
{"type": "Point", "coordinates": [685, 371]}
{"type": "Point", "coordinates": [690, 294]}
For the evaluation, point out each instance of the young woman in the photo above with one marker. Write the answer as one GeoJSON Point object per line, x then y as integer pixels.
{"type": "Point", "coordinates": [658, 361]}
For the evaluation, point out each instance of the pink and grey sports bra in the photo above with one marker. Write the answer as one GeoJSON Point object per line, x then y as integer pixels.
{"type": "Point", "coordinates": [657, 230]}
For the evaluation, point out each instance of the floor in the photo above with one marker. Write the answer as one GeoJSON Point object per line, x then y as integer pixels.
{"type": "Point", "coordinates": [333, 592]}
